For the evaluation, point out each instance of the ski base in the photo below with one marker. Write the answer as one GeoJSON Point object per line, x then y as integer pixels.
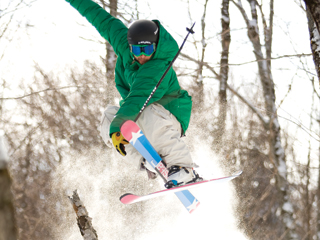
{"type": "Point", "coordinates": [130, 198]}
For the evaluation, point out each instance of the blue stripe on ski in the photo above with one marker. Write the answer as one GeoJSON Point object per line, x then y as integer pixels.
{"type": "Point", "coordinates": [188, 200]}
{"type": "Point", "coordinates": [147, 151]}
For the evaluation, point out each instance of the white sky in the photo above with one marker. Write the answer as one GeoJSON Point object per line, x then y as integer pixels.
{"type": "Point", "coordinates": [54, 43]}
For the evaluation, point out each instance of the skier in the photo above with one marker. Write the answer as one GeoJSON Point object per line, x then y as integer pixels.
{"type": "Point", "coordinates": [144, 51]}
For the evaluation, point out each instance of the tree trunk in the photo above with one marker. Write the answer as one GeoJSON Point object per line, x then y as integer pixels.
{"type": "Point", "coordinates": [276, 153]}
{"type": "Point", "coordinates": [111, 58]}
{"type": "Point", "coordinates": [224, 68]}
{"type": "Point", "coordinates": [199, 79]}
{"type": "Point", "coordinates": [84, 221]}
{"type": "Point", "coordinates": [313, 16]}
{"type": "Point", "coordinates": [271, 125]}
{"type": "Point", "coordinates": [314, 7]}
{"type": "Point", "coordinates": [318, 191]}
{"type": "Point", "coordinates": [8, 229]}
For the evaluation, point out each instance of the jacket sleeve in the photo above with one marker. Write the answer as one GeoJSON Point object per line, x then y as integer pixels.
{"type": "Point", "coordinates": [121, 85]}
{"type": "Point", "coordinates": [143, 84]}
{"type": "Point", "coordinates": [109, 27]}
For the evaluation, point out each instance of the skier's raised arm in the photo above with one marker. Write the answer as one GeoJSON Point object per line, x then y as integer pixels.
{"type": "Point", "coordinates": [109, 27]}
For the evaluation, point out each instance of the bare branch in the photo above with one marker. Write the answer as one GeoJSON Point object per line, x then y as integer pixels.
{"type": "Point", "coordinates": [243, 12]}
{"type": "Point", "coordinates": [204, 64]}
{"type": "Point", "coordinates": [314, 88]}
{"type": "Point", "coordinates": [45, 90]}
{"type": "Point", "coordinates": [254, 109]}
{"type": "Point", "coordinates": [6, 27]}
{"type": "Point", "coordinates": [273, 58]}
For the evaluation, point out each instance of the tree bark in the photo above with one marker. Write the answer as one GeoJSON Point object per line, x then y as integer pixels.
{"type": "Point", "coordinates": [314, 7]}
{"type": "Point", "coordinates": [318, 196]}
{"type": "Point", "coordinates": [84, 221]}
{"type": "Point", "coordinates": [313, 16]}
{"type": "Point", "coordinates": [111, 57]}
{"type": "Point", "coordinates": [8, 229]}
{"type": "Point", "coordinates": [224, 67]}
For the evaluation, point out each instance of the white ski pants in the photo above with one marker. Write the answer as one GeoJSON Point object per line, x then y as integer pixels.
{"type": "Point", "coordinates": [161, 128]}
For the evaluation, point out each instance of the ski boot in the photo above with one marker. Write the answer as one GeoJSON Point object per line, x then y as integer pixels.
{"type": "Point", "coordinates": [179, 176]}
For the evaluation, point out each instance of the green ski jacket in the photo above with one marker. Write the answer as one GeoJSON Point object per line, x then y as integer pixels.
{"type": "Point", "coordinates": [134, 81]}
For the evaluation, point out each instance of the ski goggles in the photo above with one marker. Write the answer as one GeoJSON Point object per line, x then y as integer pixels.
{"type": "Point", "coordinates": [146, 50]}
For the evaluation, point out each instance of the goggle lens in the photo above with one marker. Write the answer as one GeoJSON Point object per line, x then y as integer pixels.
{"type": "Point", "coordinates": [139, 50]}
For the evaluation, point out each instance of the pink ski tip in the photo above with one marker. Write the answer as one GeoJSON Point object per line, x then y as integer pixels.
{"type": "Point", "coordinates": [127, 128]}
{"type": "Point", "coordinates": [128, 198]}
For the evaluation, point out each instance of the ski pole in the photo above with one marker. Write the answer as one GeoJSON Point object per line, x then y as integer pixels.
{"type": "Point", "coordinates": [165, 73]}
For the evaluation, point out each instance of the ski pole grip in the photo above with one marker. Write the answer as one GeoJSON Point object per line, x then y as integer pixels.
{"type": "Point", "coordinates": [190, 30]}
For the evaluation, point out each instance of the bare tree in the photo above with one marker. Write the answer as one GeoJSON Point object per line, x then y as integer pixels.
{"type": "Point", "coordinates": [318, 191]}
{"type": "Point", "coordinates": [224, 68]}
{"type": "Point", "coordinates": [8, 229]}
{"type": "Point", "coordinates": [313, 16]}
{"type": "Point", "coordinates": [53, 119]}
{"type": "Point", "coordinates": [314, 7]}
{"type": "Point", "coordinates": [8, 29]}
{"type": "Point", "coordinates": [271, 123]}
{"type": "Point", "coordinates": [111, 57]}
{"type": "Point", "coordinates": [255, 144]}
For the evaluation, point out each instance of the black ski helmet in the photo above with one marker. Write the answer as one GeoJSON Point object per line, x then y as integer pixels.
{"type": "Point", "coordinates": [143, 32]}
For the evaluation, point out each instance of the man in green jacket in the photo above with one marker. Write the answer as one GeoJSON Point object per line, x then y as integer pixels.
{"type": "Point", "coordinates": [144, 51]}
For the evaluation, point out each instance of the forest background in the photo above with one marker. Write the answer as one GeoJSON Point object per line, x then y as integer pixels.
{"type": "Point", "coordinates": [252, 70]}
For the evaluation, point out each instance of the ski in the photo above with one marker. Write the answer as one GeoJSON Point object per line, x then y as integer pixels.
{"type": "Point", "coordinates": [132, 132]}
{"type": "Point", "coordinates": [129, 198]}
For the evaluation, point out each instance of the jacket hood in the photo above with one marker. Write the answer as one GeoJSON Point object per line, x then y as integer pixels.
{"type": "Point", "coordinates": [167, 47]}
